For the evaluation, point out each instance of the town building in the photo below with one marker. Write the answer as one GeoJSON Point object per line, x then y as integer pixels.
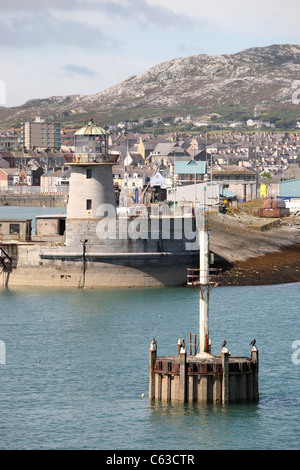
{"type": "Point", "coordinates": [238, 179]}
{"type": "Point", "coordinates": [199, 193]}
{"type": "Point", "coordinates": [166, 152]}
{"type": "Point", "coordinates": [187, 172]}
{"type": "Point", "coordinates": [147, 145]}
{"type": "Point", "coordinates": [15, 229]}
{"type": "Point", "coordinates": [7, 177]}
{"type": "Point", "coordinates": [55, 180]}
{"type": "Point", "coordinates": [9, 140]}
{"type": "Point", "coordinates": [28, 176]}
{"type": "Point", "coordinates": [290, 190]}
{"type": "Point", "coordinates": [8, 157]}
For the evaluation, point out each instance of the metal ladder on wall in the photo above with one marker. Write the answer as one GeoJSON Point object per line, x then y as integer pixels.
{"type": "Point", "coordinates": [193, 344]}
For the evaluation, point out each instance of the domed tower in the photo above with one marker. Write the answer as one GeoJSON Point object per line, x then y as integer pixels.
{"type": "Point", "coordinates": [91, 182]}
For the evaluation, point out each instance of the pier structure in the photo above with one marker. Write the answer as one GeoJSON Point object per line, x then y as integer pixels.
{"type": "Point", "coordinates": [137, 251]}
{"type": "Point", "coordinates": [203, 377]}
{"type": "Point", "coordinates": [96, 247]}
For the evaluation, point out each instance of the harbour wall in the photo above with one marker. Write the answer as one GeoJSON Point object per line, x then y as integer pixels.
{"type": "Point", "coordinates": [148, 260]}
{"type": "Point", "coordinates": [33, 200]}
{"type": "Point", "coordinates": [39, 267]}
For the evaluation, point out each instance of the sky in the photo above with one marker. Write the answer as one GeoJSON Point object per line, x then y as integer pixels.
{"type": "Point", "coordinates": [66, 47]}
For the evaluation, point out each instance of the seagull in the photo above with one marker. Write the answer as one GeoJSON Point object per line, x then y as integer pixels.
{"type": "Point", "coordinates": [224, 343]}
{"type": "Point", "coordinates": [253, 342]}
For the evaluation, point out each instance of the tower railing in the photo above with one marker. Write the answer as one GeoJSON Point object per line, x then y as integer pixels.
{"type": "Point", "coordinates": [91, 158]}
{"type": "Point", "coordinates": [211, 276]}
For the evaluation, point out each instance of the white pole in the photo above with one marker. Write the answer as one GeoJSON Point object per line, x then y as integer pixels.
{"type": "Point", "coordinates": [195, 186]}
{"type": "Point", "coordinates": [204, 291]}
{"type": "Point", "coordinates": [126, 183]}
{"type": "Point", "coordinates": [174, 185]}
{"type": "Point", "coordinates": [211, 177]}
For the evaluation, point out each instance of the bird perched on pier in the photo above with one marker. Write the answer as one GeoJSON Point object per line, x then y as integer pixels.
{"type": "Point", "coordinates": [224, 343]}
{"type": "Point", "coordinates": [253, 342]}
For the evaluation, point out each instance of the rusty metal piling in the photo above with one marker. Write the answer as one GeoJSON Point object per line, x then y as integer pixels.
{"type": "Point", "coordinates": [225, 378]}
{"type": "Point", "coordinates": [182, 376]}
{"type": "Point", "coordinates": [152, 359]}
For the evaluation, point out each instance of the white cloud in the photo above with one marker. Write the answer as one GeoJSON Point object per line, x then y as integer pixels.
{"type": "Point", "coordinates": [257, 16]}
{"type": "Point", "coordinates": [84, 46]}
{"type": "Point", "coordinates": [74, 69]}
{"type": "Point", "coordinates": [41, 29]}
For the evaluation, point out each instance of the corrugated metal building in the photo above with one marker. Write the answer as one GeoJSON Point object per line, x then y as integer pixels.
{"type": "Point", "coordinates": [289, 190]}
{"type": "Point", "coordinates": [200, 193]}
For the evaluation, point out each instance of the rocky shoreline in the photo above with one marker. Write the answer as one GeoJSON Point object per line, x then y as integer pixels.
{"type": "Point", "coordinates": [250, 255]}
{"type": "Point", "coordinates": [280, 267]}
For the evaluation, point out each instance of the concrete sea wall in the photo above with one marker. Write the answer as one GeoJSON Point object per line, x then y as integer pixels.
{"type": "Point", "coordinates": [153, 260]}
{"type": "Point", "coordinates": [38, 267]}
{"type": "Point", "coordinates": [31, 200]}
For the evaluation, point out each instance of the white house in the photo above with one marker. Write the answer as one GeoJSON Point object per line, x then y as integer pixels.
{"type": "Point", "coordinates": [158, 180]}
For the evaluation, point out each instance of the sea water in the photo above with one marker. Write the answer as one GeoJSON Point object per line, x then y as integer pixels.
{"type": "Point", "coordinates": [26, 212]}
{"type": "Point", "coordinates": [75, 370]}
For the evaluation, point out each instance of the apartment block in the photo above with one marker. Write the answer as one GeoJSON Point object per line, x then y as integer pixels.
{"type": "Point", "coordinates": [40, 134]}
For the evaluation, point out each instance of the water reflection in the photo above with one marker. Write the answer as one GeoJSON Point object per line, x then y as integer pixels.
{"type": "Point", "coordinates": [206, 426]}
{"type": "Point", "coordinates": [162, 410]}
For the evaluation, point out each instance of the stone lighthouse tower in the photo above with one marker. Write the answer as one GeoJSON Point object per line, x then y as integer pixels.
{"type": "Point", "coordinates": [91, 183]}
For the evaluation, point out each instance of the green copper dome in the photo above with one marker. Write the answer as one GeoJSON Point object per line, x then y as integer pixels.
{"type": "Point", "coordinates": [90, 129]}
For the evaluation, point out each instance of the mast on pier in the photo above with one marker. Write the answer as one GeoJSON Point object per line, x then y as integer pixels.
{"type": "Point", "coordinates": [204, 278]}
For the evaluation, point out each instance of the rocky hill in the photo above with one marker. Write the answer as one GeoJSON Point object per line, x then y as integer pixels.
{"type": "Point", "coordinates": [257, 76]}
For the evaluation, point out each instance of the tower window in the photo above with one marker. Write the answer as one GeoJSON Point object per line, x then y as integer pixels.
{"type": "Point", "coordinates": [88, 204]}
{"type": "Point", "coordinates": [89, 173]}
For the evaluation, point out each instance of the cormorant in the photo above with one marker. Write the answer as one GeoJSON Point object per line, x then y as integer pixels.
{"type": "Point", "coordinates": [224, 343]}
{"type": "Point", "coordinates": [253, 342]}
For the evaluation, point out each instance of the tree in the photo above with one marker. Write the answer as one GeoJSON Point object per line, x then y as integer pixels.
{"type": "Point", "coordinates": [266, 174]}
